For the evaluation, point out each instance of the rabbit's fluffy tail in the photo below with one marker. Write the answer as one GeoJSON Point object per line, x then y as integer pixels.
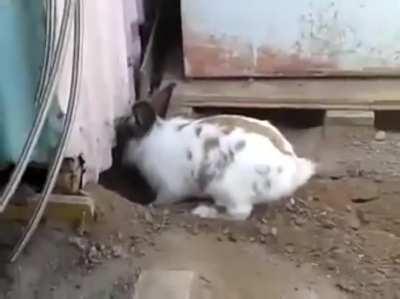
{"type": "Point", "coordinates": [305, 169]}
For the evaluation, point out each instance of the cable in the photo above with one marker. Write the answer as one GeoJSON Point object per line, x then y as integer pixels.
{"type": "Point", "coordinates": [40, 119]}
{"type": "Point", "coordinates": [69, 119]}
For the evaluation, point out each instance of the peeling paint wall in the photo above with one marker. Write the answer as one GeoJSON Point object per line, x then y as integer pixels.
{"type": "Point", "coordinates": [290, 38]}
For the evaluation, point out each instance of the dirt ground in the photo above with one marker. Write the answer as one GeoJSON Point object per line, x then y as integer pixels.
{"type": "Point", "coordinates": [339, 237]}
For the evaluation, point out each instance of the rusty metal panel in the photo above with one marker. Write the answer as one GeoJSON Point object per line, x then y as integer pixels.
{"type": "Point", "coordinates": [228, 38]}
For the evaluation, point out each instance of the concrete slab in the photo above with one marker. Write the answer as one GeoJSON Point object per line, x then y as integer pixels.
{"type": "Point", "coordinates": [349, 118]}
{"type": "Point", "coordinates": [166, 284]}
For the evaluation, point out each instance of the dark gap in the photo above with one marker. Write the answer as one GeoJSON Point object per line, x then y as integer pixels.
{"type": "Point", "coordinates": [34, 176]}
{"type": "Point", "coordinates": [127, 181]}
{"type": "Point", "coordinates": [294, 118]}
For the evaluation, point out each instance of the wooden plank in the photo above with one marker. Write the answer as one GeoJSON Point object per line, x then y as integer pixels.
{"type": "Point", "coordinates": [66, 208]}
{"type": "Point", "coordinates": [341, 94]}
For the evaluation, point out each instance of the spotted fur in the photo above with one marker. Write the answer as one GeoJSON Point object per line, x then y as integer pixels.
{"type": "Point", "coordinates": [236, 160]}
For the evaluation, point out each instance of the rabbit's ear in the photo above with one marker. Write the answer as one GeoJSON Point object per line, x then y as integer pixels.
{"type": "Point", "coordinates": [161, 98]}
{"type": "Point", "coordinates": [144, 118]}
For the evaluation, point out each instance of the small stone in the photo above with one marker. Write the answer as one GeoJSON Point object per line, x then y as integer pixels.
{"type": "Point", "coordinates": [195, 230]}
{"type": "Point", "coordinates": [331, 264]}
{"type": "Point", "coordinates": [117, 251]}
{"type": "Point", "coordinates": [300, 221]}
{"type": "Point", "coordinates": [361, 192]}
{"type": "Point", "coordinates": [346, 286]}
{"type": "Point", "coordinates": [364, 218]}
{"type": "Point", "coordinates": [274, 231]}
{"type": "Point", "coordinates": [148, 217]}
{"type": "Point", "coordinates": [354, 221]}
{"type": "Point", "coordinates": [328, 224]}
{"type": "Point", "coordinates": [156, 227]}
{"type": "Point", "coordinates": [289, 248]}
{"type": "Point", "coordinates": [380, 136]}
{"type": "Point", "coordinates": [232, 238]}
{"type": "Point", "coordinates": [313, 198]}
{"type": "Point", "coordinates": [119, 236]}
{"type": "Point", "coordinates": [80, 243]}
{"type": "Point", "coordinates": [264, 230]}
{"type": "Point", "coordinates": [92, 252]}
{"type": "Point", "coordinates": [290, 207]}
{"type": "Point", "coordinates": [165, 284]}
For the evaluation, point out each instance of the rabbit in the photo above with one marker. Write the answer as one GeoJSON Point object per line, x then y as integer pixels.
{"type": "Point", "coordinates": [235, 160]}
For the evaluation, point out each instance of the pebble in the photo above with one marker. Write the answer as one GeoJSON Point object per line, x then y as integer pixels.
{"type": "Point", "coordinates": [380, 136]}
{"type": "Point", "coordinates": [300, 221]}
{"type": "Point", "coordinates": [328, 224]}
{"type": "Point", "coordinates": [289, 248]}
{"type": "Point", "coordinates": [264, 230]}
{"type": "Point", "coordinates": [364, 218]}
{"type": "Point", "coordinates": [232, 237]}
{"type": "Point", "coordinates": [148, 217]}
{"type": "Point", "coordinates": [226, 231]}
{"type": "Point", "coordinates": [92, 252]}
{"type": "Point", "coordinates": [274, 231]}
{"type": "Point", "coordinates": [132, 249]}
{"type": "Point", "coordinates": [331, 264]}
{"type": "Point", "coordinates": [117, 251]}
{"type": "Point", "coordinates": [346, 286]}
{"type": "Point", "coordinates": [313, 198]}
{"type": "Point", "coordinates": [80, 243]}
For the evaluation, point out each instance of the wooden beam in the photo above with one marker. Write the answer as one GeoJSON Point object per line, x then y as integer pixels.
{"type": "Point", "coordinates": [339, 94]}
{"type": "Point", "coordinates": [68, 208]}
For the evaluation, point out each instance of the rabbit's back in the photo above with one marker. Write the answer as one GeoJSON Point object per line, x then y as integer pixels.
{"type": "Point", "coordinates": [218, 155]}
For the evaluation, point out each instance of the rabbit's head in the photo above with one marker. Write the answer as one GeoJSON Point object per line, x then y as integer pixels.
{"type": "Point", "coordinates": [146, 113]}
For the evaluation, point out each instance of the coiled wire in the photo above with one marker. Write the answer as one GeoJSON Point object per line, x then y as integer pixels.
{"type": "Point", "coordinates": [69, 119]}
{"type": "Point", "coordinates": [45, 103]}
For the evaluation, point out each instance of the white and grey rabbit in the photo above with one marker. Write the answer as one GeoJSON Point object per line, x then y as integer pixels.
{"type": "Point", "coordinates": [237, 161]}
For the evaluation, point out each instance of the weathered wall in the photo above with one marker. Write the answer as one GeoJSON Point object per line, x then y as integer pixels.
{"type": "Point", "coordinates": [290, 38]}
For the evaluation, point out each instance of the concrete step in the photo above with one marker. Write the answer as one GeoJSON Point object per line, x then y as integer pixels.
{"type": "Point", "coordinates": [165, 284]}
